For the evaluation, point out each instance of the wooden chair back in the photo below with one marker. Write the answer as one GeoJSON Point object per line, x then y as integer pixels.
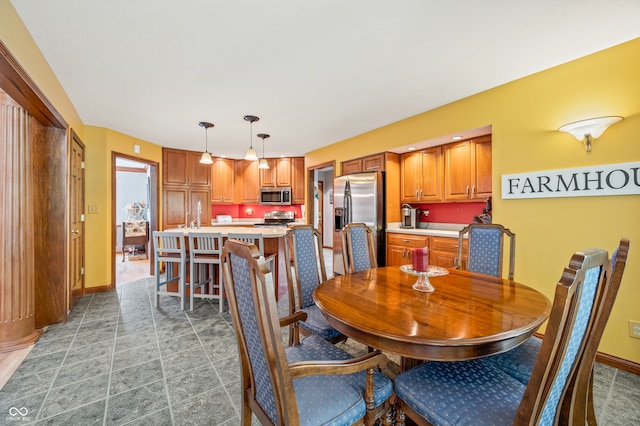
{"type": "Point", "coordinates": [575, 308]}
{"type": "Point", "coordinates": [485, 249]}
{"type": "Point", "coordinates": [358, 248]}
{"type": "Point", "coordinates": [265, 381]}
{"type": "Point", "coordinates": [304, 244]}
{"type": "Point", "coordinates": [578, 406]}
{"type": "Point", "coordinates": [266, 374]}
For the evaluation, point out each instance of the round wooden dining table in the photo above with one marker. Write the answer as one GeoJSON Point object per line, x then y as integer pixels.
{"type": "Point", "coordinates": [467, 316]}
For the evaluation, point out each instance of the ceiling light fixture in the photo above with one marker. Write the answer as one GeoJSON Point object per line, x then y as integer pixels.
{"type": "Point", "coordinates": [590, 129]}
{"type": "Point", "coordinates": [263, 164]}
{"type": "Point", "coordinates": [251, 153]}
{"type": "Point", "coordinates": [206, 157]}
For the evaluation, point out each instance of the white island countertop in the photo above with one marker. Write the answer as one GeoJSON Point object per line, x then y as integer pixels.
{"type": "Point", "coordinates": [266, 231]}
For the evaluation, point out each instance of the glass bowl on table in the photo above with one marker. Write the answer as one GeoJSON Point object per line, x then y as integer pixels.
{"type": "Point", "coordinates": [422, 283]}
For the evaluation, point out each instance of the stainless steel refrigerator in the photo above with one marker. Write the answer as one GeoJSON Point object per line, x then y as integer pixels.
{"type": "Point", "coordinates": [358, 198]}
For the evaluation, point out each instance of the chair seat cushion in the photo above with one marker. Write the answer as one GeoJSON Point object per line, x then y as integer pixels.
{"type": "Point", "coordinates": [518, 362]}
{"type": "Point", "coordinates": [460, 393]}
{"type": "Point", "coordinates": [315, 348]}
{"type": "Point", "coordinates": [317, 324]}
{"type": "Point", "coordinates": [325, 400]}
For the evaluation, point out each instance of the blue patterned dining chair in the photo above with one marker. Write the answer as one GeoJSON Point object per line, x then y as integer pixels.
{"type": "Point", "coordinates": [170, 249]}
{"type": "Point", "coordinates": [476, 392]}
{"type": "Point", "coordinates": [484, 252]}
{"type": "Point", "coordinates": [358, 248]}
{"type": "Point", "coordinates": [304, 244]}
{"type": "Point", "coordinates": [519, 362]}
{"type": "Point", "coordinates": [313, 383]}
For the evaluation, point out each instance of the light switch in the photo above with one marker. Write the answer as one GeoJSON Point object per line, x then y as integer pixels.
{"type": "Point", "coordinates": [94, 209]}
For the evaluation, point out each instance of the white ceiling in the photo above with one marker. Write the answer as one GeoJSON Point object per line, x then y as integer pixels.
{"type": "Point", "coordinates": [315, 72]}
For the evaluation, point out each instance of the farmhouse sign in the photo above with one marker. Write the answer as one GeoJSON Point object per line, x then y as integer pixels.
{"type": "Point", "coordinates": [609, 179]}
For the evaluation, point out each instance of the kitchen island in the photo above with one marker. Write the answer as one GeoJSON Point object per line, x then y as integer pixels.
{"type": "Point", "coordinates": [273, 244]}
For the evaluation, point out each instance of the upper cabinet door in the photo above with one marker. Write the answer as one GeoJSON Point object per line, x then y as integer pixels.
{"type": "Point", "coordinates": [458, 171]}
{"type": "Point", "coordinates": [184, 168]}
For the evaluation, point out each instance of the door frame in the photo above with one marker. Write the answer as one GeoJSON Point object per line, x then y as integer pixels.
{"type": "Point", "coordinates": [311, 173]}
{"type": "Point", "coordinates": [75, 296]}
{"type": "Point", "coordinates": [154, 189]}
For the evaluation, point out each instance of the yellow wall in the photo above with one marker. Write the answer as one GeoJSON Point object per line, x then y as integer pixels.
{"type": "Point", "coordinates": [100, 144]}
{"type": "Point", "coordinates": [524, 116]}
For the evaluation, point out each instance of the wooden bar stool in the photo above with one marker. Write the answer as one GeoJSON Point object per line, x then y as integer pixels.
{"type": "Point", "coordinates": [170, 248]}
{"type": "Point", "coordinates": [205, 250]}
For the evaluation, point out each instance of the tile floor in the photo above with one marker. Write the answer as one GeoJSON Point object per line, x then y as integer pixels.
{"type": "Point", "coordinates": [120, 361]}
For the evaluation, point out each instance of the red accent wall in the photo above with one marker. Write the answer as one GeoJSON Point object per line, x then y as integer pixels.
{"type": "Point", "coordinates": [451, 212]}
{"type": "Point", "coordinates": [257, 211]}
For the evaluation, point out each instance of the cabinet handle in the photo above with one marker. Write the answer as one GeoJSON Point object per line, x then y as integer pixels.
{"type": "Point", "coordinates": [420, 193]}
{"type": "Point", "coordinates": [416, 193]}
{"type": "Point", "coordinates": [406, 241]}
{"type": "Point", "coordinates": [372, 167]}
{"type": "Point", "coordinates": [473, 191]}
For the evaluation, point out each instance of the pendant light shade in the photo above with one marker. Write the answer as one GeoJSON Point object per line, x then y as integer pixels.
{"type": "Point", "coordinates": [263, 164]}
{"type": "Point", "coordinates": [251, 153]}
{"type": "Point", "coordinates": [206, 157]}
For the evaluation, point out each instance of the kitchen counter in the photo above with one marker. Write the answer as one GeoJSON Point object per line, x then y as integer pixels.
{"type": "Point", "coordinates": [246, 223]}
{"type": "Point", "coordinates": [227, 228]}
{"type": "Point", "coordinates": [434, 229]}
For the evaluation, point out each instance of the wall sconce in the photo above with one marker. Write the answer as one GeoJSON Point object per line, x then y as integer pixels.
{"type": "Point", "coordinates": [251, 153]}
{"type": "Point", "coordinates": [590, 129]}
{"type": "Point", "coordinates": [206, 157]}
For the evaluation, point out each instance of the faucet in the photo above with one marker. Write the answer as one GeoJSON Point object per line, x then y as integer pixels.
{"type": "Point", "coordinates": [199, 211]}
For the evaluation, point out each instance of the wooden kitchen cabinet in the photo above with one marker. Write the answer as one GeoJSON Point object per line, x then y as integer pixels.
{"type": "Point", "coordinates": [444, 251]}
{"type": "Point", "coordinates": [223, 181]}
{"type": "Point", "coordinates": [370, 163]}
{"type": "Point", "coordinates": [399, 247]}
{"type": "Point", "coordinates": [181, 167]}
{"type": "Point", "coordinates": [278, 174]}
{"type": "Point", "coordinates": [297, 180]}
{"type": "Point", "coordinates": [421, 177]}
{"type": "Point", "coordinates": [247, 181]}
{"type": "Point", "coordinates": [468, 170]}
{"type": "Point", "coordinates": [185, 182]}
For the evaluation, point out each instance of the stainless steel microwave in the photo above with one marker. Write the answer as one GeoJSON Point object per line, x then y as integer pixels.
{"type": "Point", "coordinates": [275, 196]}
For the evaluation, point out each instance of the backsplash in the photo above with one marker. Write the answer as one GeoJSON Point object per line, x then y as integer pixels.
{"type": "Point", "coordinates": [451, 212]}
{"type": "Point", "coordinates": [257, 211]}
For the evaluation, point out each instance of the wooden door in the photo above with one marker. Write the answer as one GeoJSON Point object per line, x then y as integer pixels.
{"type": "Point", "coordinates": [249, 187]}
{"type": "Point", "coordinates": [482, 170]}
{"type": "Point", "coordinates": [283, 172]}
{"type": "Point", "coordinates": [458, 171]}
{"type": "Point", "coordinates": [77, 219]}
{"type": "Point", "coordinates": [410, 165]}
{"type": "Point", "coordinates": [320, 207]}
{"type": "Point", "coordinates": [297, 180]}
{"type": "Point", "coordinates": [431, 175]}
{"type": "Point", "coordinates": [222, 181]}
{"type": "Point", "coordinates": [198, 174]}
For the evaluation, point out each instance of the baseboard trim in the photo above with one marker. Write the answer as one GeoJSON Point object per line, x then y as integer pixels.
{"type": "Point", "coordinates": [613, 361]}
{"type": "Point", "coordinates": [619, 363]}
{"type": "Point", "coordinates": [99, 289]}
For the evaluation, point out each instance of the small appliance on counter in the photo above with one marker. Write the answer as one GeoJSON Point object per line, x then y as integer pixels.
{"type": "Point", "coordinates": [409, 216]}
{"type": "Point", "coordinates": [277, 218]}
{"type": "Point", "coordinates": [224, 218]}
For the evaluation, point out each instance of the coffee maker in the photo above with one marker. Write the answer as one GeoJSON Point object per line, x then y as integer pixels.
{"type": "Point", "coordinates": [409, 217]}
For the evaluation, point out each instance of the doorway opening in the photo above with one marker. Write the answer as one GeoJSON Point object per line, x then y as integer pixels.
{"type": "Point", "coordinates": [135, 212]}
{"type": "Point", "coordinates": [320, 178]}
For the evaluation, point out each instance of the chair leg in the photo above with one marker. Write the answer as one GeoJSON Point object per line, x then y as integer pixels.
{"type": "Point", "coordinates": [193, 280]}
{"type": "Point", "coordinates": [220, 288]}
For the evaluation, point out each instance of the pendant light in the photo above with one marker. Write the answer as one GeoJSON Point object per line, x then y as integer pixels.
{"type": "Point", "coordinates": [206, 157]}
{"type": "Point", "coordinates": [263, 164]}
{"type": "Point", "coordinates": [251, 153]}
